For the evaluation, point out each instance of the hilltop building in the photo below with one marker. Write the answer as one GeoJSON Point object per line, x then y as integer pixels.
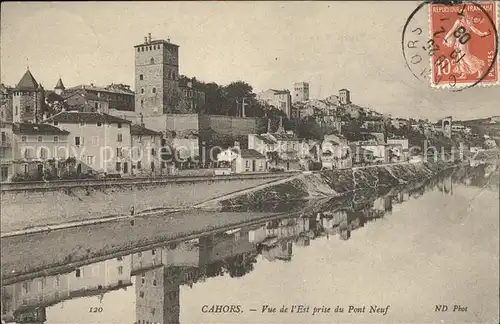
{"type": "Point", "coordinates": [280, 99]}
{"type": "Point", "coordinates": [156, 76]}
{"type": "Point", "coordinates": [300, 91]}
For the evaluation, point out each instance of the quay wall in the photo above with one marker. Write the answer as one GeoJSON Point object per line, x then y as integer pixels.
{"type": "Point", "coordinates": [27, 205]}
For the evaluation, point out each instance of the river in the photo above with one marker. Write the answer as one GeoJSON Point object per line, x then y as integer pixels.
{"type": "Point", "coordinates": [422, 253]}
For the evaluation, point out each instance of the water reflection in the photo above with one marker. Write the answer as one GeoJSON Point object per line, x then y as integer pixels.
{"type": "Point", "coordinates": [156, 275]}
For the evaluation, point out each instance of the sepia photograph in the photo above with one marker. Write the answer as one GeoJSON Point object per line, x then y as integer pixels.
{"type": "Point", "coordinates": [250, 162]}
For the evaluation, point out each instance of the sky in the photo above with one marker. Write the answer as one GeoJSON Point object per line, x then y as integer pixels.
{"type": "Point", "coordinates": [331, 45]}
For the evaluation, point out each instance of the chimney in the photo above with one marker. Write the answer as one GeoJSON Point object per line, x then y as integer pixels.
{"type": "Point", "coordinates": [145, 40]}
{"type": "Point", "coordinates": [149, 38]}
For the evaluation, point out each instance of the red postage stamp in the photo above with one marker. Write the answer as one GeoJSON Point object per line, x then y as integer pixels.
{"type": "Point", "coordinates": [463, 44]}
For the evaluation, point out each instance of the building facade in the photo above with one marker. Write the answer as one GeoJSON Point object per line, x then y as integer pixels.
{"type": "Point", "coordinates": [100, 142]}
{"type": "Point", "coordinates": [280, 99]}
{"type": "Point", "coordinates": [113, 96]}
{"type": "Point", "coordinates": [34, 146]}
{"type": "Point", "coordinates": [300, 91]}
{"type": "Point", "coordinates": [145, 155]}
{"type": "Point", "coordinates": [344, 96]}
{"type": "Point", "coordinates": [6, 152]}
{"type": "Point", "coordinates": [192, 99]}
{"type": "Point", "coordinates": [156, 77]}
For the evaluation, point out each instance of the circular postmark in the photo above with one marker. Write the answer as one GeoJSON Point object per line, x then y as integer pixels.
{"type": "Point", "coordinates": [452, 44]}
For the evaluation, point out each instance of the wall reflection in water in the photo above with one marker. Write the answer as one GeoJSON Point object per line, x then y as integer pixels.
{"type": "Point", "coordinates": [160, 272]}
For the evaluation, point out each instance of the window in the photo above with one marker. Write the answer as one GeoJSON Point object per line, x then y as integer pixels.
{"type": "Point", "coordinates": [153, 152]}
{"type": "Point", "coordinates": [119, 258]}
{"type": "Point", "coordinates": [58, 281]}
{"type": "Point", "coordinates": [119, 152]}
{"type": "Point", "coordinates": [139, 166]}
{"type": "Point", "coordinates": [142, 90]}
{"type": "Point", "coordinates": [118, 166]}
{"type": "Point", "coordinates": [152, 311]}
{"type": "Point", "coordinates": [141, 294]}
{"type": "Point", "coordinates": [43, 153]}
{"type": "Point", "coordinates": [142, 278]}
{"type": "Point", "coordinates": [99, 124]}
{"type": "Point", "coordinates": [152, 61]}
{"type": "Point", "coordinates": [153, 252]}
{"type": "Point", "coordinates": [2, 152]}
{"type": "Point", "coordinates": [120, 270]}
{"type": "Point", "coordinates": [142, 102]}
{"type": "Point", "coordinates": [25, 167]}
{"type": "Point", "coordinates": [39, 138]}
{"type": "Point", "coordinates": [77, 141]}
{"type": "Point", "coordinates": [4, 173]}
{"type": "Point", "coordinates": [17, 112]}
{"type": "Point", "coordinates": [153, 90]}
{"type": "Point", "coordinates": [120, 137]}
{"type": "Point", "coordinates": [141, 77]}
{"type": "Point", "coordinates": [119, 125]}
{"type": "Point", "coordinates": [138, 49]}
{"type": "Point", "coordinates": [154, 282]}
{"type": "Point", "coordinates": [26, 153]}
{"type": "Point", "coordinates": [56, 123]}
{"type": "Point", "coordinates": [56, 138]}
{"type": "Point", "coordinates": [23, 138]}
{"type": "Point", "coordinates": [90, 160]}
{"type": "Point", "coordinates": [77, 273]}
{"type": "Point", "coordinates": [4, 137]}
{"type": "Point", "coordinates": [247, 164]}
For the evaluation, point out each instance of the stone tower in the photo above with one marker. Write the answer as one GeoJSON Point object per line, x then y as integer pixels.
{"type": "Point", "coordinates": [27, 100]}
{"type": "Point", "coordinates": [446, 126]}
{"type": "Point", "coordinates": [156, 77]}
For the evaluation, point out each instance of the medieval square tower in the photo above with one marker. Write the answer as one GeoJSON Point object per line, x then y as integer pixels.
{"type": "Point", "coordinates": [156, 77]}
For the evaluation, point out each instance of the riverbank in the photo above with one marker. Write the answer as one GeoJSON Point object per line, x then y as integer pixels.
{"type": "Point", "coordinates": [28, 206]}
{"type": "Point", "coordinates": [329, 183]}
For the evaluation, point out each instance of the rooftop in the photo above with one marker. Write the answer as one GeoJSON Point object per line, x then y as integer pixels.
{"type": "Point", "coordinates": [37, 129]}
{"type": "Point", "coordinates": [27, 82]}
{"type": "Point", "coordinates": [140, 130]}
{"type": "Point", "coordinates": [251, 154]}
{"type": "Point", "coordinates": [87, 117]}
{"type": "Point", "coordinates": [112, 88]}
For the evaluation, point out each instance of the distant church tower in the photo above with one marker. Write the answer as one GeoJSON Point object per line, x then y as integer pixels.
{"type": "Point", "coordinates": [156, 77]}
{"type": "Point", "coordinates": [59, 88]}
{"type": "Point", "coordinates": [27, 100]}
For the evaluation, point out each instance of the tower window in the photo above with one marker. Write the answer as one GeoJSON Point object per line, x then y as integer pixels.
{"type": "Point", "coordinates": [154, 90]}
{"type": "Point", "coordinates": [141, 77]}
{"type": "Point", "coordinates": [142, 90]}
{"type": "Point", "coordinates": [138, 49]}
{"type": "Point", "coordinates": [142, 102]}
{"type": "Point", "coordinates": [150, 48]}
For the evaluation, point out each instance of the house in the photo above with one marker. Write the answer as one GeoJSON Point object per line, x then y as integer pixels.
{"type": "Point", "coordinates": [280, 99]}
{"type": "Point", "coordinates": [374, 124]}
{"type": "Point", "coordinates": [281, 149]}
{"type": "Point", "coordinates": [146, 143]}
{"type": "Point", "coordinates": [401, 145]}
{"type": "Point", "coordinates": [361, 155]}
{"type": "Point", "coordinates": [100, 142]}
{"type": "Point", "coordinates": [37, 149]}
{"type": "Point", "coordinates": [192, 99]}
{"type": "Point", "coordinates": [6, 153]}
{"type": "Point", "coordinates": [85, 101]}
{"type": "Point", "coordinates": [335, 155]}
{"type": "Point", "coordinates": [114, 96]}
{"type": "Point", "coordinates": [243, 160]}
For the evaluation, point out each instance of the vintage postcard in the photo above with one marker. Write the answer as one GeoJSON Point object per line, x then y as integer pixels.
{"type": "Point", "coordinates": [250, 162]}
